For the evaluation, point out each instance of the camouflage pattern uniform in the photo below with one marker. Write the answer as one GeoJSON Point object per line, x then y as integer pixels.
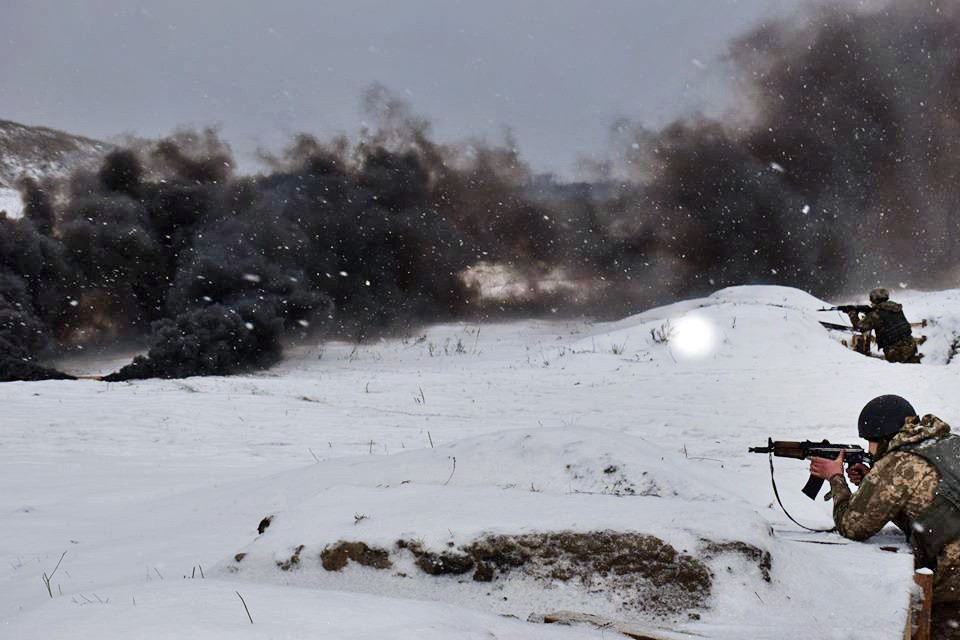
{"type": "Point", "coordinates": [904, 350]}
{"type": "Point", "coordinates": [898, 487]}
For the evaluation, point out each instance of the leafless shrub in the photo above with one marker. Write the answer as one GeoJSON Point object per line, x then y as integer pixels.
{"type": "Point", "coordinates": [661, 334]}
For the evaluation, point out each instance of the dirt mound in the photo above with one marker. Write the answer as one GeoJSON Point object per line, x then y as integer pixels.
{"type": "Point", "coordinates": [642, 572]}
{"type": "Point", "coordinates": [335, 557]}
{"type": "Point", "coordinates": [646, 573]}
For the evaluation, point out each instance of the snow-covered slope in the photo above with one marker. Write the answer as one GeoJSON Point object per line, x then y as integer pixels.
{"type": "Point", "coordinates": [38, 152]}
{"type": "Point", "coordinates": [212, 610]}
{"type": "Point", "coordinates": [460, 436]}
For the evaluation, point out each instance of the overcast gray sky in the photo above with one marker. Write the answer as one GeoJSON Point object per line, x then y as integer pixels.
{"type": "Point", "coordinates": [555, 71]}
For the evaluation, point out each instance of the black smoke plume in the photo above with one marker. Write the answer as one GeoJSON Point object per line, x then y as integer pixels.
{"type": "Point", "coordinates": [33, 279]}
{"type": "Point", "coordinates": [841, 175]}
{"type": "Point", "coordinates": [339, 238]}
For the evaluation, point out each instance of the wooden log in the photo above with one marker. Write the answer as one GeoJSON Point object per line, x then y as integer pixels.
{"type": "Point", "coordinates": [631, 631]}
{"type": "Point", "coordinates": [918, 623]}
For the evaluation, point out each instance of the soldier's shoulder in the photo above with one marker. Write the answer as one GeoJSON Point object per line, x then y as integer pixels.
{"type": "Point", "coordinates": [901, 465]}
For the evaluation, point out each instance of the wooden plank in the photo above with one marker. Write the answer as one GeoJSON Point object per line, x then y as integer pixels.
{"type": "Point", "coordinates": [631, 631]}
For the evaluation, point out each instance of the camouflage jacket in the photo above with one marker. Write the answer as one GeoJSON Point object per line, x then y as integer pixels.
{"type": "Point", "coordinates": [879, 319]}
{"type": "Point", "coordinates": [897, 489]}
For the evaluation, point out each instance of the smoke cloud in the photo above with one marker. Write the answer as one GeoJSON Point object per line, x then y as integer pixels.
{"type": "Point", "coordinates": [838, 172]}
{"type": "Point", "coordinates": [339, 238]}
{"type": "Point", "coordinates": [33, 276]}
{"type": "Point", "coordinates": [841, 174]}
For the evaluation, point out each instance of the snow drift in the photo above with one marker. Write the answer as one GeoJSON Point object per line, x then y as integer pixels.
{"type": "Point", "coordinates": [534, 436]}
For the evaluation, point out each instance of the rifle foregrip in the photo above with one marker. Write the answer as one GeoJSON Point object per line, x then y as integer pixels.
{"type": "Point", "coordinates": [813, 486]}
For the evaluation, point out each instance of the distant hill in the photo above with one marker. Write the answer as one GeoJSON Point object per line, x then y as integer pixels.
{"type": "Point", "coordinates": [40, 151]}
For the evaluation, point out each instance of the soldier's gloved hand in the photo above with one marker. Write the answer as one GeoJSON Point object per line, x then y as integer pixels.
{"type": "Point", "coordinates": [826, 468]}
{"type": "Point", "coordinates": [856, 472]}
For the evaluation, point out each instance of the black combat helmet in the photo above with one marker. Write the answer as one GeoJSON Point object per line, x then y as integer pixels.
{"type": "Point", "coordinates": [884, 416]}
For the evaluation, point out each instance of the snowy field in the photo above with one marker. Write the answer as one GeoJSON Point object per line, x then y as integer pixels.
{"type": "Point", "coordinates": [456, 436]}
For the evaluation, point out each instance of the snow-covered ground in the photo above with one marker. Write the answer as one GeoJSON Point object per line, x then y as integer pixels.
{"type": "Point", "coordinates": [10, 202]}
{"type": "Point", "coordinates": [454, 436]}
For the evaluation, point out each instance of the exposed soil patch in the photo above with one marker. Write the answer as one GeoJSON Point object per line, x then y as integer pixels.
{"type": "Point", "coordinates": [264, 524]}
{"type": "Point", "coordinates": [291, 562]}
{"type": "Point", "coordinates": [643, 571]}
{"type": "Point", "coordinates": [753, 553]}
{"type": "Point", "coordinates": [335, 557]}
{"type": "Point", "coordinates": [437, 564]}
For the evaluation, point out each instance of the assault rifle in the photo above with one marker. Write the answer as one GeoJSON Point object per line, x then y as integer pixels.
{"type": "Point", "coordinates": [847, 308]}
{"type": "Point", "coordinates": [852, 454]}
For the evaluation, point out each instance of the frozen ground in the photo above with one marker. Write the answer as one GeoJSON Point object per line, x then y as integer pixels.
{"type": "Point", "coordinates": [457, 433]}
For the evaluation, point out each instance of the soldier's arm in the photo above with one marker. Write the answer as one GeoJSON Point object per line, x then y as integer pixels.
{"type": "Point", "coordinates": [864, 324]}
{"type": "Point", "coordinates": [882, 496]}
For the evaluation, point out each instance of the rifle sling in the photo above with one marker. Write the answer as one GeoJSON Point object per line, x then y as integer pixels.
{"type": "Point", "coordinates": [776, 493]}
